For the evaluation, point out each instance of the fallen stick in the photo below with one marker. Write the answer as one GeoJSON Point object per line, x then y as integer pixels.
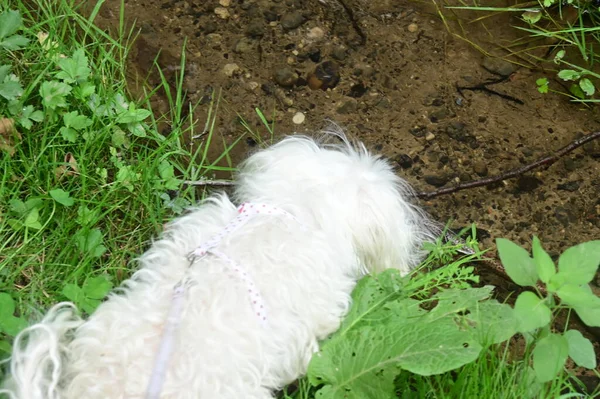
{"type": "Point", "coordinates": [546, 161]}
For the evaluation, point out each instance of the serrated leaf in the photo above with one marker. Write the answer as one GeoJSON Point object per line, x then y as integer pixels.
{"type": "Point", "coordinates": [11, 89]}
{"type": "Point", "coordinates": [531, 312]}
{"type": "Point", "coordinates": [569, 74]}
{"type": "Point", "coordinates": [73, 293]}
{"type": "Point", "coordinates": [74, 69]}
{"type": "Point", "coordinates": [62, 197]}
{"type": "Point", "coordinates": [133, 115]}
{"type": "Point", "coordinates": [458, 300]}
{"type": "Point", "coordinates": [580, 262]}
{"type": "Point", "coordinates": [76, 121]}
{"type": "Point", "coordinates": [549, 357]}
{"type": "Point", "coordinates": [54, 94]}
{"type": "Point", "coordinates": [10, 22]}
{"type": "Point", "coordinates": [85, 90]}
{"type": "Point", "coordinates": [68, 134]}
{"type": "Point", "coordinates": [543, 262]}
{"type": "Point", "coordinates": [587, 86]}
{"type": "Point", "coordinates": [15, 42]}
{"type": "Point", "coordinates": [97, 287]}
{"type": "Point", "coordinates": [581, 349]}
{"type": "Point", "coordinates": [32, 219]}
{"type": "Point", "coordinates": [4, 71]}
{"type": "Point", "coordinates": [516, 261]}
{"type": "Point", "coordinates": [85, 216]}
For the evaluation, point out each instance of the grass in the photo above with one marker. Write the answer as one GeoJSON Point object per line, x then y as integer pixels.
{"type": "Point", "coordinates": [89, 180]}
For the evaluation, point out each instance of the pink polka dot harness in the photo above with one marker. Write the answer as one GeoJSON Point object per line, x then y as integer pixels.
{"type": "Point", "coordinates": [245, 212]}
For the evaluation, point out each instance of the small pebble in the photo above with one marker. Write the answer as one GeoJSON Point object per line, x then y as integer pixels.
{"type": "Point", "coordinates": [231, 69]}
{"type": "Point", "coordinates": [429, 136]}
{"type": "Point", "coordinates": [225, 3]}
{"type": "Point", "coordinates": [292, 20]}
{"type": "Point", "coordinates": [285, 77]}
{"type": "Point", "coordinates": [316, 33]}
{"type": "Point", "coordinates": [298, 118]}
{"type": "Point", "coordinates": [412, 28]}
{"type": "Point", "coordinates": [480, 168]}
{"type": "Point", "coordinates": [222, 12]}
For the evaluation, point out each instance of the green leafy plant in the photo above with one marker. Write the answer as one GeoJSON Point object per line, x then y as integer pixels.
{"type": "Point", "coordinates": [90, 294]}
{"type": "Point", "coordinates": [10, 23]}
{"type": "Point", "coordinates": [536, 311]}
{"type": "Point", "coordinates": [10, 324]}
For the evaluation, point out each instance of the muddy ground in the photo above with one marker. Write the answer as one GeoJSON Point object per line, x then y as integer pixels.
{"type": "Point", "coordinates": [399, 71]}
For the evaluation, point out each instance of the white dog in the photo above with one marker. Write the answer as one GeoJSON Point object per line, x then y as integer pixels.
{"type": "Point", "coordinates": [242, 316]}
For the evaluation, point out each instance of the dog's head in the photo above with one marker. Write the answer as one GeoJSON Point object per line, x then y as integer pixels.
{"type": "Point", "coordinates": [344, 190]}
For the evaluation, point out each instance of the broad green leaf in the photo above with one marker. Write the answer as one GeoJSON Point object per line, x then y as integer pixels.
{"type": "Point", "coordinates": [68, 134]}
{"type": "Point", "coordinates": [4, 71]}
{"type": "Point", "coordinates": [76, 121]}
{"type": "Point", "coordinates": [587, 86]}
{"type": "Point", "coordinates": [5, 347]}
{"type": "Point", "coordinates": [89, 305]}
{"type": "Point", "coordinates": [581, 349]}
{"type": "Point", "coordinates": [516, 261]}
{"type": "Point", "coordinates": [62, 197]}
{"type": "Point", "coordinates": [73, 293]}
{"type": "Point", "coordinates": [543, 262]}
{"type": "Point", "coordinates": [17, 206]}
{"type": "Point", "coordinates": [32, 220]}
{"type": "Point", "coordinates": [7, 305]}
{"type": "Point", "coordinates": [54, 94]}
{"type": "Point", "coordinates": [14, 43]}
{"type": "Point", "coordinates": [97, 287]}
{"type": "Point", "coordinates": [576, 91]}
{"type": "Point", "coordinates": [10, 22]}
{"type": "Point", "coordinates": [582, 299]}
{"type": "Point", "coordinates": [580, 262]}
{"type": "Point", "coordinates": [12, 325]}
{"type": "Point", "coordinates": [11, 89]}
{"type": "Point", "coordinates": [531, 312]}
{"type": "Point", "coordinates": [549, 356]}
{"type": "Point", "coordinates": [569, 74]}
{"type": "Point", "coordinates": [495, 322]}
{"type": "Point", "coordinates": [371, 357]}
{"type": "Point", "coordinates": [458, 300]}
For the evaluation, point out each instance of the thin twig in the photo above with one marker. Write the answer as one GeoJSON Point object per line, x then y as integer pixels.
{"type": "Point", "coordinates": [546, 161]}
{"type": "Point", "coordinates": [207, 182]}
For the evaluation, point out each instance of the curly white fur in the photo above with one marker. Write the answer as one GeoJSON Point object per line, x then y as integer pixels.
{"type": "Point", "coordinates": [358, 219]}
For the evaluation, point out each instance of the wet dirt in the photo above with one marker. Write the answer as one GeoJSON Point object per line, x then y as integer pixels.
{"type": "Point", "coordinates": [389, 73]}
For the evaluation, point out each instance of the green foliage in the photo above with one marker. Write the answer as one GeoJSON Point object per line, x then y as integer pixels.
{"type": "Point", "coordinates": [577, 267]}
{"type": "Point", "coordinates": [10, 23]}
{"type": "Point", "coordinates": [86, 174]}
{"type": "Point", "coordinates": [90, 295]}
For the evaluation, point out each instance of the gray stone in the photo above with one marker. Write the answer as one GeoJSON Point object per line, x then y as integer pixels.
{"type": "Point", "coordinates": [292, 20]}
{"type": "Point", "coordinates": [285, 77]}
{"type": "Point", "coordinates": [347, 106]}
{"type": "Point", "coordinates": [480, 168]}
{"type": "Point", "coordinates": [498, 66]}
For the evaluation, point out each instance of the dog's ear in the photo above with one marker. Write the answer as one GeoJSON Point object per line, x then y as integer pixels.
{"type": "Point", "coordinates": [388, 231]}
